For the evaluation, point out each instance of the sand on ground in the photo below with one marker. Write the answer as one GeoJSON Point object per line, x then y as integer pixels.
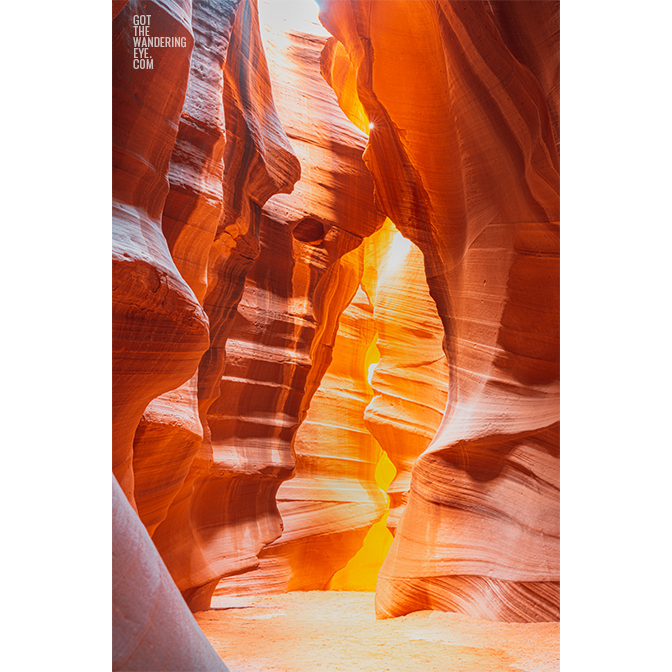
{"type": "Point", "coordinates": [337, 631]}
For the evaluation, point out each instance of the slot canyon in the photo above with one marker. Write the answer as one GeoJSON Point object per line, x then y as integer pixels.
{"type": "Point", "coordinates": [336, 303]}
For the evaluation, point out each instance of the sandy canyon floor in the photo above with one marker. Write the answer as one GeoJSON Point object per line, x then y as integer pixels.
{"type": "Point", "coordinates": [338, 632]}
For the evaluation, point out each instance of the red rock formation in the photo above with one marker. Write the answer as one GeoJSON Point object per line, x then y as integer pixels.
{"type": "Point", "coordinates": [283, 337]}
{"type": "Point", "coordinates": [170, 220]}
{"type": "Point", "coordinates": [158, 631]}
{"type": "Point", "coordinates": [203, 536]}
{"type": "Point", "coordinates": [170, 432]}
{"type": "Point", "coordinates": [160, 330]}
{"type": "Point", "coordinates": [465, 163]}
{"type": "Point", "coordinates": [228, 289]}
{"type": "Point", "coordinates": [211, 518]}
{"type": "Point", "coordinates": [332, 500]}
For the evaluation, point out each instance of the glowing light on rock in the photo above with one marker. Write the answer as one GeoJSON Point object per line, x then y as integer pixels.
{"type": "Point", "coordinates": [295, 15]}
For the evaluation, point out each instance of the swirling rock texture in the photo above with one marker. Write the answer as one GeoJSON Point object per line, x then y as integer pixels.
{"type": "Point", "coordinates": [285, 338]}
{"type": "Point", "coordinates": [245, 313]}
{"type": "Point", "coordinates": [173, 217]}
{"type": "Point", "coordinates": [170, 432]}
{"type": "Point", "coordinates": [410, 382]}
{"type": "Point", "coordinates": [332, 499]}
{"type": "Point", "coordinates": [202, 535]}
{"type": "Point", "coordinates": [465, 162]}
{"type": "Point", "coordinates": [160, 330]}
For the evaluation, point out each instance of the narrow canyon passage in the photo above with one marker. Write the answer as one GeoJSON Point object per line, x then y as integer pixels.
{"type": "Point", "coordinates": [336, 336]}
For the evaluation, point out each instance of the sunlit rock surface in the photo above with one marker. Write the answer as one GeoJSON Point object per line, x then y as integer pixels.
{"type": "Point", "coordinates": [465, 163]}
{"type": "Point", "coordinates": [203, 534]}
{"type": "Point", "coordinates": [410, 382]}
{"type": "Point", "coordinates": [160, 330]}
{"type": "Point", "coordinates": [332, 499]}
{"type": "Point", "coordinates": [170, 432]}
{"type": "Point", "coordinates": [284, 339]}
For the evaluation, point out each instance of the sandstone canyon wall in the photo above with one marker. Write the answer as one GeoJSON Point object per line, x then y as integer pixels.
{"type": "Point", "coordinates": [252, 282]}
{"type": "Point", "coordinates": [331, 500]}
{"type": "Point", "coordinates": [208, 455]}
{"type": "Point", "coordinates": [465, 162]}
{"type": "Point", "coordinates": [197, 150]}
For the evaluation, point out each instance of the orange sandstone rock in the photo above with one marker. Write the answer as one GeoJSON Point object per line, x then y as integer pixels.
{"type": "Point", "coordinates": [332, 499]}
{"type": "Point", "coordinates": [285, 338]}
{"type": "Point", "coordinates": [199, 538]}
{"type": "Point", "coordinates": [170, 432]}
{"type": "Point", "coordinates": [465, 162]}
{"type": "Point", "coordinates": [410, 382]}
{"type": "Point", "coordinates": [277, 325]}
{"type": "Point", "coordinates": [160, 330]}
{"type": "Point", "coordinates": [228, 289]}
{"type": "Point", "coordinates": [186, 232]}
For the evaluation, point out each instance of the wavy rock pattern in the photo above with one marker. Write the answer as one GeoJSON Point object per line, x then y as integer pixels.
{"type": "Point", "coordinates": [243, 311]}
{"type": "Point", "coordinates": [185, 234]}
{"type": "Point", "coordinates": [284, 338]}
{"type": "Point", "coordinates": [170, 432]}
{"type": "Point", "coordinates": [204, 535]}
{"type": "Point", "coordinates": [410, 382]}
{"type": "Point", "coordinates": [160, 330]}
{"type": "Point", "coordinates": [465, 163]}
{"type": "Point", "coordinates": [332, 500]}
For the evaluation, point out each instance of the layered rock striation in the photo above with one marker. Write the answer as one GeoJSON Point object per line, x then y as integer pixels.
{"type": "Point", "coordinates": [252, 281]}
{"type": "Point", "coordinates": [410, 382]}
{"type": "Point", "coordinates": [256, 162]}
{"type": "Point", "coordinates": [160, 330]}
{"type": "Point", "coordinates": [284, 339]}
{"type": "Point", "coordinates": [197, 151]}
{"type": "Point", "coordinates": [465, 162]}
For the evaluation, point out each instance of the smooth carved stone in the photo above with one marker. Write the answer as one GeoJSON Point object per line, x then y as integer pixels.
{"type": "Point", "coordinates": [277, 285]}
{"type": "Point", "coordinates": [332, 499]}
{"type": "Point", "coordinates": [509, 495]}
{"type": "Point", "coordinates": [175, 216]}
{"type": "Point", "coordinates": [160, 330]}
{"type": "Point", "coordinates": [284, 340]}
{"type": "Point", "coordinates": [530, 31]}
{"type": "Point", "coordinates": [465, 163]}
{"type": "Point", "coordinates": [265, 380]}
{"type": "Point", "coordinates": [167, 438]}
{"type": "Point", "coordinates": [204, 528]}
{"type": "Point", "coordinates": [152, 627]}
{"type": "Point", "coordinates": [194, 203]}
{"type": "Point", "coordinates": [170, 432]}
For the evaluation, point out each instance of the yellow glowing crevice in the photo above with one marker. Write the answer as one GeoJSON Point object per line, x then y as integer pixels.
{"type": "Point", "coordinates": [361, 572]}
{"type": "Point", "coordinates": [371, 359]}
